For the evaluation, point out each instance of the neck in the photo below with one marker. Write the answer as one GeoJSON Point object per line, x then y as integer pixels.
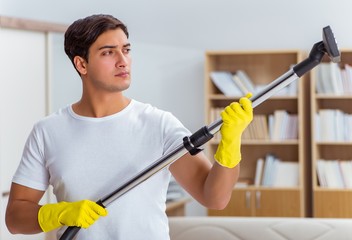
{"type": "Point", "coordinates": [100, 107]}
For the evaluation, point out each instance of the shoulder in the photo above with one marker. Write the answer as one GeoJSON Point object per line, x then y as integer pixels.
{"type": "Point", "coordinates": [53, 119]}
{"type": "Point", "coordinates": [146, 109]}
{"type": "Point", "coordinates": [156, 116]}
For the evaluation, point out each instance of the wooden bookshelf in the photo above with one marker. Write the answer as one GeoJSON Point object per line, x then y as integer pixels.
{"type": "Point", "coordinates": [177, 207]}
{"type": "Point", "coordinates": [262, 67]}
{"type": "Point", "coordinates": [330, 202]}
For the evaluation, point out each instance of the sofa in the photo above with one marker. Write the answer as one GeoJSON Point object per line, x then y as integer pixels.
{"type": "Point", "coordinates": [259, 228]}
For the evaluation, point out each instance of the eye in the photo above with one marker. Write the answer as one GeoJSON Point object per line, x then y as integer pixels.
{"type": "Point", "coordinates": [127, 50]}
{"type": "Point", "coordinates": [107, 53]}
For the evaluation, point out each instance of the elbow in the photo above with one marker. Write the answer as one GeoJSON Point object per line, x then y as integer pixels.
{"type": "Point", "coordinates": [11, 222]}
{"type": "Point", "coordinates": [219, 204]}
{"type": "Point", "coordinates": [10, 226]}
{"type": "Point", "coordinates": [11, 230]}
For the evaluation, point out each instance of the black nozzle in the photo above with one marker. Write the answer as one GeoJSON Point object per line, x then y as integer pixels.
{"type": "Point", "coordinates": [315, 56]}
{"type": "Point", "coordinates": [331, 45]}
{"type": "Point", "coordinates": [327, 46]}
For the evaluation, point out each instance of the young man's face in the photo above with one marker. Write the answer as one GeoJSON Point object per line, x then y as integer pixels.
{"type": "Point", "coordinates": [109, 62]}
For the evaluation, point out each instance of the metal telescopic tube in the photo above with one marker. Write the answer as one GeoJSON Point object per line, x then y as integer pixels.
{"type": "Point", "coordinates": [272, 88]}
{"type": "Point", "coordinates": [158, 165]}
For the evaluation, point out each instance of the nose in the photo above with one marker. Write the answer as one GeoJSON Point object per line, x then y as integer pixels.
{"type": "Point", "coordinates": [122, 60]}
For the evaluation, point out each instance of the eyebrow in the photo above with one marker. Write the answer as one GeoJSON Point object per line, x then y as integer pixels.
{"type": "Point", "coordinates": [114, 46]}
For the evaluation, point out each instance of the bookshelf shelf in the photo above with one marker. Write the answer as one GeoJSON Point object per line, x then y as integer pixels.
{"type": "Point", "coordinates": [273, 98]}
{"type": "Point", "coordinates": [332, 190]}
{"type": "Point", "coordinates": [333, 97]}
{"type": "Point", "coordinates": [262, 67]}
{"type": "Point", "coordinates": [336, 143]}
{"type": "Point", "coordinates": [331, 198]}
{"type": "Point", "coordinates": [264, 142]}
{"type": "Point", "coordinates": [270, 143]}
{"type": "Point", "coordinates": [273, 189]}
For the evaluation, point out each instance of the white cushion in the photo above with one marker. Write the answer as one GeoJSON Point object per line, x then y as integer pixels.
{"type": "Point", "coordinates": [256, 228]}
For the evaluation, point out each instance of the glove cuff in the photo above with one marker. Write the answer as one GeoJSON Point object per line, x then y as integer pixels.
{"type": "Point", "coordinates": [47, 220]}
{"type": "Point", "coordinates": [229, 156]}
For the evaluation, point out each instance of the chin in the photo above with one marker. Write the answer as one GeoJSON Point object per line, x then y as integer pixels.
{"type": "Point", "coordinates": [126, 84]}
{"type": "Point", "coordinates": [122, 87]}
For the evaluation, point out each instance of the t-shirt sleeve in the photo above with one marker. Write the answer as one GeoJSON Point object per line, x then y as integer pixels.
{"type": "Point", "coordinates": [31, 171]}
{"type": "Point", "coordinates": [174, 132]}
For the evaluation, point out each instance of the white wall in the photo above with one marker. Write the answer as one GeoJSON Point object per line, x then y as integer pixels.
{"type": "Point", "coordinates": [22, 102]}
{"type": "Point", "coordinates": [64, 84]}
{"type": "Point", "coordinates": [169, 40]}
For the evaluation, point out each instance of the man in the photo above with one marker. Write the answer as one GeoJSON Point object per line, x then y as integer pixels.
{"type": "Point", "coordinates": [87, 149]}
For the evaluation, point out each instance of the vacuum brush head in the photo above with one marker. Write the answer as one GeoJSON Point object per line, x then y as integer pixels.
{"type": "Point", "coordinates": [331, 45]}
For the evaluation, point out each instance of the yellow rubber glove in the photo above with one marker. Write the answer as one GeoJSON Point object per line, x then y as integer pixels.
{"type": "Point", "coordinates": [80, 214]}
{"type": "Point", "coordinates": [236, 118]}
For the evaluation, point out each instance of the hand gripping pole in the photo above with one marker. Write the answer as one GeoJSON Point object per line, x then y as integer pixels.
{"type": "Point", "coordinates": [193, 143]}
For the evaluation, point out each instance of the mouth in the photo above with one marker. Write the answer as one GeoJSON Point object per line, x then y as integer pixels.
{"type": "Point", "coordinates": [123, 74]}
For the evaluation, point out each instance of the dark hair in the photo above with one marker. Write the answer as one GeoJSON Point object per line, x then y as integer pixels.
{"type": "Point", "coordinates": [82, 33]}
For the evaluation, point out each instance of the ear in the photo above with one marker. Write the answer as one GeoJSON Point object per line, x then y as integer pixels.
{"type": "Point", "coordinates": [80, 64]}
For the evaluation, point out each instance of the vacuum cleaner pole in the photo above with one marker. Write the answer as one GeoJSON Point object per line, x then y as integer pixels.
{"type": "Point", "coordinates": [193, 143]}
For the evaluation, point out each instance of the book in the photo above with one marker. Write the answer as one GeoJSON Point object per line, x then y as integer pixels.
{"type": "Point", "coordinates": [279, 124]}
{"type": "Point", "coordinates": [329, 79]}
{"type": "Point", "coordinates": [224, 82]}
{"type": "Point", "coordinates": [346, 170]}
{"type": "Point", "coordinates": [258, 172]}
{"type": "Point", "coordinates": [258, 129]}
{"type": "Point", "coordinates": [268, 170]}
{"type": "Point", "coordinates": [336, 78]}
{"type": "Point", "coordinates": [328, 125]}
{"type": "Point", "coordinates": [243, 81]}
{"type": "Point", "coordinates": [292, 127]}
{"type": "Point", "coordinates": [320, 168]}
{"type": "Point", "coordinates": [323, 81]}
{"type": "Point", "coordinates": [348, 79]}
{"type": "Point", "coordinates": [333, 174]}
{"type": "Point", "coordinates": [286, 174]}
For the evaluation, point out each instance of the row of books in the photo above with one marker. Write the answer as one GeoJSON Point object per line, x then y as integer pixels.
{"type": "Point", "coordinates": [174, 191]}
{"type": "Point", "coordinates": [334, 173]}
{"type": "Point", "coordinates": [273, 172]}
{"type": "Point", "coordinates": [333, 125]}
{"type": "Point", "coordinates": [333, 79]}
{"type": "Point", "coordinates": [239, 84]}
{"type": "Point", "coordinates": [280, 125]}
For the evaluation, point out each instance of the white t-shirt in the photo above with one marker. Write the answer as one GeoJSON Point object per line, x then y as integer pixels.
{"type": "Point", "coordinates": [88, 158]}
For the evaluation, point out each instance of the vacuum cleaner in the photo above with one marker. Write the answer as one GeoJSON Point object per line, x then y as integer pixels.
{"type": "Point", "coordinates": [193, 143]}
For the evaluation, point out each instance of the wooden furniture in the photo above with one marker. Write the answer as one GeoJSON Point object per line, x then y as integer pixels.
{"type": "Point", "coordinates": [330, 202]}
{"type": "Point", "coordinates": [176, 207]}
{"type": "Point", "coordinates": [262, 67]}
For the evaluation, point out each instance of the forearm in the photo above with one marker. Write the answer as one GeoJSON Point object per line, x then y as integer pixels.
{"type": "Point", "coordinates": [225, 171]}
{"type": "Point", "coordinates": [22, 217]}
{"type": "Point", "coordinates": [219, 185]}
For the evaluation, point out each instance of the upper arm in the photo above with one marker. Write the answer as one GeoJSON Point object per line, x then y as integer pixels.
{"type": "Point", "coordinates": [22, 209]}
{"type": "Point", "coordinates": [22, 193]}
